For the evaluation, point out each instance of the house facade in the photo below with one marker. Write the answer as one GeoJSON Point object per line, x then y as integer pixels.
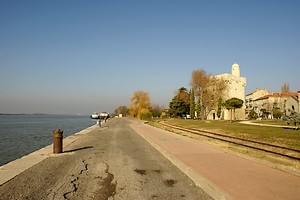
{"type": "Point", "coordinates": [292, 104]}
{"type": "Point", "coordinates": [285, 102]}
{"type": "Point", "coordinates": [250, 98]}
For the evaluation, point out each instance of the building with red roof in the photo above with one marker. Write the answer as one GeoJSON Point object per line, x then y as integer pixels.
{"type": "Point", "coordinates": [285, 102]}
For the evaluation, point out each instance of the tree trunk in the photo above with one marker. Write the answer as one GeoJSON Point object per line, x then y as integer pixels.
{"type": "Point", "coordinates": [234, 114]}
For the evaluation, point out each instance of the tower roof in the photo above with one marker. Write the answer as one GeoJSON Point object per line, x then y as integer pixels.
{"type": "Point", "coordinates": [235, 65]}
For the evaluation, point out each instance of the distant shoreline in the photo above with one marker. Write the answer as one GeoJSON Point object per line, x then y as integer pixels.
{"type": "Point", "coordinates": [41, 114]}
{"type": "Point", "coordinates": [23, 114]}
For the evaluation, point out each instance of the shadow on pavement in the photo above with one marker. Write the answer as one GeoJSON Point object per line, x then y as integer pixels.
{"type": "Point", "coordinates": [78, 149]}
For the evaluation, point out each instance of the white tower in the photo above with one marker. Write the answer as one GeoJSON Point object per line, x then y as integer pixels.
{"type": "Point", "coordinates": [235, 70]}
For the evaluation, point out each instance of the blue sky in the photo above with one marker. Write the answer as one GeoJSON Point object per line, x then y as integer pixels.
{"type": "Point", "coordinates": [69, 57]}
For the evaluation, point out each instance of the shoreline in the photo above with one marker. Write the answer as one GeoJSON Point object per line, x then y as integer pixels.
{"type": "Point", "coordinates": [24, 134]}
{"type": "Point", "coordinates": [15, 167]}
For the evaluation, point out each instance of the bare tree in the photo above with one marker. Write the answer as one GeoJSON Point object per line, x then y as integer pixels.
{"type": "Point", "coordinates": [285, 88]}
{"type": "Point", "coordinates": [192, 104]}
{"type": "Point", "coordinates": [156, 110]}
{"type": "Point", "coordinates": [207, 89]}
{"type": "Point", "coordinates": [199, 84]}
{"type": "Point", "coordinates": [121, 110]}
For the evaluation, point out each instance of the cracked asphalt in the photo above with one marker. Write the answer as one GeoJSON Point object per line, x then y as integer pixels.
{"type": "Point", "coordinates": [111, 162]}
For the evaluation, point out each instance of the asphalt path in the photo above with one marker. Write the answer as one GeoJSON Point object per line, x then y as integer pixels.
{"type": "Point", "coordinates": [110, 162]}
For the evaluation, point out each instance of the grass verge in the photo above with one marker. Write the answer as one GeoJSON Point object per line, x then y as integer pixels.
{"type": "Point", "coordinates": [272, 135]}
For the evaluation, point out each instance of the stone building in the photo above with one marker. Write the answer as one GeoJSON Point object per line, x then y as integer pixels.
{"type": "Point", "coordinates": [285, 102]}
{"type": "Point", "coordinates": [236, 88]}
{"type": "Point", "coordinates": [250, 98]}
{"type": "Point", "coordinates": [292, 104]}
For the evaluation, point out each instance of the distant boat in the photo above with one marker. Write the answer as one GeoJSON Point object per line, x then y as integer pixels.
{"type": "Point", "coordinates": [104, 115]}
{"type": "Point", "coordinates": [95, 116]}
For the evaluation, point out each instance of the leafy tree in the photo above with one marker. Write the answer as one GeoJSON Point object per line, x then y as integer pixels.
{"type": "Point", "coordinates": [294, 118]}
{"type": "Point", "coordinates": [277, 114]}
{"type": "Point", "coordinates": [144, 114]}
{"type": "Point", "coordinates": [192, 104]}
{"type": "Point", "coordinates": [139, 100]}
{"type": "Point", "coordinates": [207, 89]}
{"type": "Point", "coordinates": [180, 104]}
{"type": "Point", "coordinates": [232, 104]}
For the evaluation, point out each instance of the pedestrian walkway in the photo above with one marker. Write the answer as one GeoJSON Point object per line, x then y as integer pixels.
{"type": "Point", "coordinates": [221, 174]}
{"type": "Point", "coordinates": [12, 169]}
{"type": "Point", "coordinates": [269, 125]}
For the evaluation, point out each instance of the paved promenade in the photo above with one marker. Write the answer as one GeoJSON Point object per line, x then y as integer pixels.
{"type": "Point", "coordinates": [270, 125]}
{"type": "Point", "coordinates": [109, 162]}
{"type": "Point", "coordinates": [221, 174]}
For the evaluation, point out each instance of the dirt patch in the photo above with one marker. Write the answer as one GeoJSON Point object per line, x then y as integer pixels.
{"type": "Point", "coordinates": [170, 182]}
{"type": "Point", "coordinates": [157, 171]}
{"type": "Point", "coordinates": [140, 171]}
{"type": "Point", "coordinates": [108, 187]}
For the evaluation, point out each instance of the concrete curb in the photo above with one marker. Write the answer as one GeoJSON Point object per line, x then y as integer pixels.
{"type": "Point", "coordinates": [210, 188]}
{"type": "Point", "coordinates": [14, 168]}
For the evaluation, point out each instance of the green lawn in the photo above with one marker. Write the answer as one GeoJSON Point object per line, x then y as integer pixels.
{"type": "Point", "coordinates": [279, 136]}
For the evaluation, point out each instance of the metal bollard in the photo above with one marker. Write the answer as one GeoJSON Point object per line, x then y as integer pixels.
{"type": "Point", "coordinates": [57, 141]}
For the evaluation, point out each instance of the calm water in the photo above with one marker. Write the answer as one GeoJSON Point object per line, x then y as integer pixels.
{"type": "Point", "coordinates": [23, 134]}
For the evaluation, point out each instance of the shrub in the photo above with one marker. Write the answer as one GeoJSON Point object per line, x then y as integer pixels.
{"type": "Point", "coordinates": [253, 114]}
{"type": "Point", "coordinates": [277, 114]}
{"type": "Point", "coordinates": [164, 115]}
{"type": "Point", "coordinates": [144, 114]}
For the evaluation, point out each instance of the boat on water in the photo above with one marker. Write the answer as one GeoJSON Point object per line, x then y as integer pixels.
{"type": "Point", "coordinates": [102, 116]}
{"type": "Point", "coordinates": [95, 115]}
